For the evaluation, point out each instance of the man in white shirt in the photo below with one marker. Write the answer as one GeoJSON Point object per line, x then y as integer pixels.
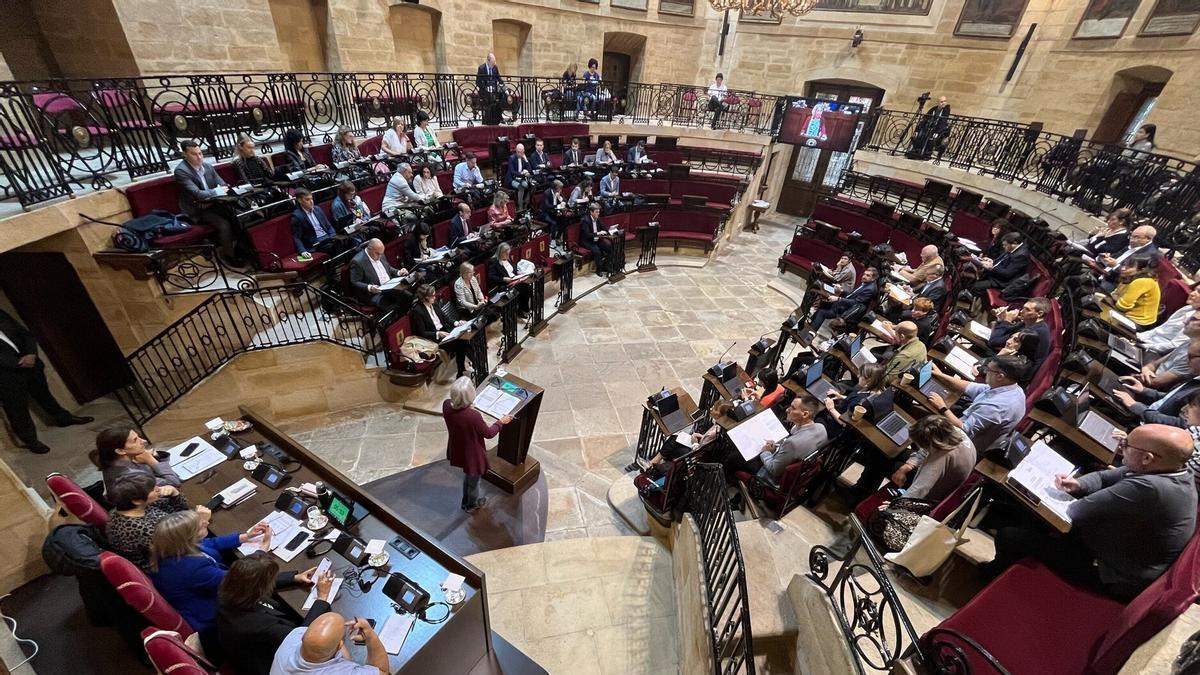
{"type": "Point", "coordinates": [1169, 335]}
{"type": "Point", "coordinates": [399, 190]}
{"type": "Point", "coordinates": [716, 98]}
{"type": "Point", "coordinates": [320, 648]}
{"type": "Point", "coordinates": [369, 271]}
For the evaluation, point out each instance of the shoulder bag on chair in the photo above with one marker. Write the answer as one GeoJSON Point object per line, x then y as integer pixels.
{"type": "Point", "coordinates": [418, 350]}
{"type": "Point", "coordinates": [931, 542]}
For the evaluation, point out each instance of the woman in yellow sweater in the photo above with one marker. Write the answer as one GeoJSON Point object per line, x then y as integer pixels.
{"type": "Point", "coordinates": [1138, 294]}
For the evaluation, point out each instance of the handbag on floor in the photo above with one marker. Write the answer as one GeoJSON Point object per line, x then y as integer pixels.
{"type": "Point", "coordinates": [931, 542]}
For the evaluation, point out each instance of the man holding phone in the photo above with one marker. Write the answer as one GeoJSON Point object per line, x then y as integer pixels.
{"type": "Point", "coordinates": [321, 648]}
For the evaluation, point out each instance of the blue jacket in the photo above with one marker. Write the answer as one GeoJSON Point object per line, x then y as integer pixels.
{"type": "Point", "coordinates": [304, 235]}
{"type": "Point", "coordinates": [189, 583]}
{"type": "Point", "coordinates": [863, 294]}
{"type": "Point", "coordinates": [515, 166]}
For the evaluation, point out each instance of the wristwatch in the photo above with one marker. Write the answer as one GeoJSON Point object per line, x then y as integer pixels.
{"type": "Point", "coordinates": [943, 410]}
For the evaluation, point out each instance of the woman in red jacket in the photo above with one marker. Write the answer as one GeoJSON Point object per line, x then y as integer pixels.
{"type": "Point", "coordinates": [464, 446]}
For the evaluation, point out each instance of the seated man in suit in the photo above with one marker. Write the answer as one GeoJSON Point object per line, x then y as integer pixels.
{"type": "Point", "coordinates": [1157, 407]}
{"type": "Point", "coordinates": [399, 190]}
{"type": "Point", "coordinates": [539, 159]}
{"type": "Point", "coordinates": [198, 184]}
{"type": "Point", "coordinates": [610, 187]}
{"type": "Point", "coordinates": [929, 260]}
{"type": "Point", "coordinates": [1141, 244]}
{"type": "Point", "coordinates": [369, 270]}
{"type": "Point", "coordinates": [312, 231]}
{"type": "Point", "coordinates": [1128, 524]}
{"type": "Point", "coordinates": [467, 173]}
{"type": "Point", "coordinates": [1031, 317]}
{"type": "Point", "coordinates": [553, 213]}
{"type": "Point", "coordinates": [573, 156]}
{"type": "Point", "coordinates": [804, 440]}
{"type": "Point", "coordinates": [1011, 264]}
{"type": "Point", "coordinates": [517, 175]}
{"type": "Point", "coordinates": [853, 303]}
{"type": "Point", "coordinates": [23, 377]}
{"type": "Point", "coordinates": [637, 153]}
{"type": "Point", "coordinates": [460, 224]}
{"type": "Point", "coordinates": [589, 230]}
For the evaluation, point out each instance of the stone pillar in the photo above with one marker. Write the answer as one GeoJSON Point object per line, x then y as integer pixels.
{"type": "Point", "coordinates": [24, 519]}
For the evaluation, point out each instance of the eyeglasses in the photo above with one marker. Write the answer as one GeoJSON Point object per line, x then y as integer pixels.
{"type": "Point", "coordinates": [1124, 447]}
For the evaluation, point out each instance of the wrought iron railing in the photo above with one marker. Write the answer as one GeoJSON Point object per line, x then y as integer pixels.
{"type": "Point", "coordinates": [58, 135]}
{"type": "Point", "coordinates": [727, 600]}
{"type": "Point", "coordinates": [230, 323]}
{"type": "Point", "coordinates": [1093, 176]}
{"type": "Point", "coordinates": [877, 630]}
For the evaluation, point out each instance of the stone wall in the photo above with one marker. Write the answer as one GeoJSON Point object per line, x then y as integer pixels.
{"type": "Point", "coordinates": [24, 519]}
{"type": "Point", "coordinates": [691, 606]}
{"type": "Point", "coordinates": [189, 36]}
{"type": "Point", "coordinates": [283, 383]}
{"type": "Point", "coordinates": [88, 38]}
{"type": "Point", "coordinates": [300, 33]}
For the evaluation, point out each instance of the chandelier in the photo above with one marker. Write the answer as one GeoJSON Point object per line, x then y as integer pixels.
{"type": "Point", "coordinates": [775, 8]}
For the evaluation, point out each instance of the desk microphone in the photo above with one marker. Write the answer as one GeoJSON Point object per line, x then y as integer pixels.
{"type": "Point", "coordinates": [716, 370]}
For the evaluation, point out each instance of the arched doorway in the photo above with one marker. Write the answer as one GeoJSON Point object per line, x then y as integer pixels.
{"type": "Point", "coordinates": [812, 172]}
{"type": "Point", "coordinates": [1131, 98]}
{"type": "Point", "coordinates": [621, 64]}
{"type": "Point", "coordinates": [417, 36]}
{"type": "Point", "coordinates": [510, 43]}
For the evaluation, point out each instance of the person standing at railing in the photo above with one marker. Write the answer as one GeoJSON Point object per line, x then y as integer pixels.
{"type": "Point", "coordinates": [931, 132]}
{"type": "Point", "coordinates": [199, 184]}
{"type": "Point", "coordinates": [490, 87]}
{"type": "Point", "coordinates": [1142, 141]}
{"type": "Point", "coordinates": [590, 90]}
{"type": "Point", "coordinates": [716, 98]}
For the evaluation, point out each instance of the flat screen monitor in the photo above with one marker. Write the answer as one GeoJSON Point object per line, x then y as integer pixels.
{"type": "Point", "coordinates": [340, 509]}
{"type": "Point", "coordinates": [816, 123]}
{"type": "Point", "coordinates": [856, 345]}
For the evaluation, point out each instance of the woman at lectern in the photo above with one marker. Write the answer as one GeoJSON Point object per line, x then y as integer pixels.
{"type": "Point", "coordinates": [466, 433]}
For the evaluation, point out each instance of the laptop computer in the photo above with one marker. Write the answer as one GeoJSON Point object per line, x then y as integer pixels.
{"type": "Point", "coordinates": [894, 427]}
{"type": "Point", "coordinates": [669, 412]}
{"type": "Point", "coordinates": [1125, 348]}
{"type": "Point", "coordinates": [856, 346]}
{"type": "Point", "coordinates": [927, 385]}
{"type": "Point", "coordinates": [814, 383]}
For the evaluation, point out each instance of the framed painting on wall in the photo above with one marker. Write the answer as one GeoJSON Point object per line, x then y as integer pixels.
{"type": "Point", "coordinates": [1106, 18]}
{"type": "Point", "coordinates": [920, 7]}
{"type": "Point", "coordinates": [990, 18]}
{"type": "Point", "coordinates": [1172, 17]}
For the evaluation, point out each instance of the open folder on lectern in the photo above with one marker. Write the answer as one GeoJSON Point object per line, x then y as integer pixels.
{"type": "Point", "coordinates": [499, 398]}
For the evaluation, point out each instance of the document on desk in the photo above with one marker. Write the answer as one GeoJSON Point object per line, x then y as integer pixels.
{"type": "Point", "coordinates": [395, 631]}
{"type": "Point", "coordinates": [456, 332]}
{"type": "Point", "coordinates": [1098, 429]}
{"type": "Point", "coordinates": [194, 456]}
{"type": "Point", "coordinates": [980, 330]}
{"type": "Point", "coordinates": [1119, 319]}
{"type": "Point", "coordinates": [491, 401]}
{"type": "Point", "coordinates": [1034, 478]}
{"type": "Point", "coordinates": [962, 361]}
{"type": "Point", "coordinates": [899, 294]}
{"type": "Point", "coordinates": [283, 529]}
{"type": "Point", "coordinates": [880, 327]}
{"type": "Point", "coordinates": [749, 436]}
{"type": "Point", "coordinates": [972, 246]}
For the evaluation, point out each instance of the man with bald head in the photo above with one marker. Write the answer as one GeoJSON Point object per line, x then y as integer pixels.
{"type": "Point", "coordinates": [320, 648]}
{"type": "Point", "coordinates": [369, 271]}
{"type": "Point", "coordinates": [929, 260]}
{"type": "Point", "coordinates": [1141, 243]}
{"type": "Point", "coordinates": [490, 87]}
{"type": "Point", "coordinates": [1128, 524]}
{"type": "Point", "coordinates": [910, 353]}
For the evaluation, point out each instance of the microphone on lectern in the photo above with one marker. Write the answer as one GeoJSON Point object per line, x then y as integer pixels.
{"type": "Point", "coordinates": [716, 370]}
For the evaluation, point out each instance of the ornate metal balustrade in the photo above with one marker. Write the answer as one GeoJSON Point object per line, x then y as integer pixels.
{"type": "Point", "coordinates": [233, 322]}
{"type": "Point", "coordinates": [877, 631]}
{"type": "Point", "coordinates": [57, 136]}
{"type": "Point", "coordinates": [1093, 176]}
{"type": "Point", "coordinates": [724, 572]}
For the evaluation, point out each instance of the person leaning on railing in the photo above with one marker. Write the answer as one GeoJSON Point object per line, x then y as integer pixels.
{"type": "Point", "coordinates": [716, 98]}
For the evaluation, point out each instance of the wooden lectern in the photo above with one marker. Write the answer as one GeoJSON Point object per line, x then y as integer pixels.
{"type": "Point", "coordinates": [510, 467]}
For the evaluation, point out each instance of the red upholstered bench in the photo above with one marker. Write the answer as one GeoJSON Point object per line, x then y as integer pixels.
{"type": "Point", "coordinates": [718, 195]}
{"type": "Point", "coordinates": [1174, 295]}
{"type": "Point", "coordinates": [371, 145]}
{"type": "Point", "coordinates": [476, 139]}
{"type": "Point", "coordinates": [561, 130]}
{"type": "Point", "coordinates": [573, 244]}
{"type": "Point", "coordinates": [910, 246]}
{"type": "Point", "coordinates": [441, 233]}
{"type": "Point", "coordinates": [373, 196]}
{"type": "Point", "coordinates": [847, 220]}
{"type": "Point", "coordinates": [322, 154]}
{"type": "Point", "coordinates": [162, 193]}
{"type": "Point", "coordinates": [401, 371]}
{"type": "Point", "coordinates": [1032, 622]}
{"type": "Point", "coordinates": [976, 228]}
{"type": "Point", "coordinates": [275, 250]}
{"type": "Point", "coordinates": [692, 227]}
{"type": "Point", "coordinates": [804, 251]}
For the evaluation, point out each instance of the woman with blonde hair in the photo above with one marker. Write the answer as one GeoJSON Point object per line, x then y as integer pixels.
{"type": "Point", "coordinates": [395, 139]}
{"type": "Point", "coordinates": [465, 442]}
{"type": "Point", "coordinates": [497, 213]}
{"type": "Point", "coordinates": [186, 567]}
{"type": "Point", "coordinates": [345, 147]}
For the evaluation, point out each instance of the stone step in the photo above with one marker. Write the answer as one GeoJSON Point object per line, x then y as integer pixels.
{"type": "Point", "coordinates": [623, 498]}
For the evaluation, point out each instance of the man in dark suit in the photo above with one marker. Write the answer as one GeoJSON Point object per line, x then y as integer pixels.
{"type": "Point", "coordinates": [1030, 317]}
{"type": "Point", "coordinates": [933, 288]}
{"type": "Point", "coordinates": [552, 214]}
{"type": "Point", "coordinates": [517, 175]}
{"type": "Point", "coordinates": [539, 159]}
{"type": "Point", "coordinates": [22, 377]}
{"type": "Point", "coordinates": [589, 230]}
{"type": "Point", "coordinates": [854, 302]}
{"type": "Point", "coordinates": [931, 131]}
{"type": "Point", "coordinates": [460, 224]}
{"type": "Point", "coordinates": [198, 184]}
{"type": "Point", "coordinates": [636, 153]}
{"type": "Point", "coordinates": [1141, 244]}
{"type": "Point", "coordinates": [1007, 266]}
{"type": "Point", "coordinates": [311, 229]}
{"type": "Point", "coordinates": [573, 156]}
{"type": "Point", "coordinates": [491, 89]}
{"type": "Point", "coordinates": [1163, 407]}
{"type": "Point", "coordinates": [369, 270]}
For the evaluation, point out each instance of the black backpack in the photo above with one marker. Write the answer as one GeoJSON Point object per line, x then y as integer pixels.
{"type": "Point", "coordinates": [74, 549]}
{"type": "Point", "coordinates": [1019, 288]}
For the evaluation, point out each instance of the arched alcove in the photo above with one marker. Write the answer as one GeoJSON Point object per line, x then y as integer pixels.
{"type": "Point", "coordinates": [510, 43]}
{"type": "Point", "coordinates": [418, 38]}
{"type": "Point", "coordinates": [1129, 100]}
{"type": "Point", "coordinates": [300, 28]}
{"type": "Point", "coordinates": [623, 56]}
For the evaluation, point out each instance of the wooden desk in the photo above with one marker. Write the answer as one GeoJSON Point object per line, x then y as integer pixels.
{"type": "Point", "coordinates": [510, 467]}
{"type": "Point", "coordinates": [999, 475]}
{"type": "Point", "coordinates": [1106, 317]}
{"type": "Point", "coordinates": [1072, 433]}
{"type": "Point", "coordinates": [720, 386]}
{"type": "Point", "coordinates": [909, 386]}
{"type": "Point", "coordinates": [455, 646]}
{"type": "Point", "coordinates": [687, 406]}
{"type": "Point", "coordinates": [869, 431]}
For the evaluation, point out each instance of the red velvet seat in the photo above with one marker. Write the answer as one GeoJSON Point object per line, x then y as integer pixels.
{"type": "Point", "coordinates": [371, 145]}
{"type": "Point", "coordinates": [804, 251]}
{"type": "Point", "coordinates": [275, 250]}
{"type": "Point", "coordinates": [560, 130]}
{"type": "Point", "coordinates": [395, 334]}
{"type": "Point", "coordinates": [976, 228]}
{"type": "Point", "coordinates": [77, 502]}
{"type": "Point", "coordinates": [477, 139]}
{"type": "Point", "coordinates": [148, 195]}
{"type": "Point", "coordinates": [848, 220]}
{"type": "Point", "coordinates": [139, 593]}
{"type": "Point", "coordinates": [792, 486]}
{"type": "Point", "coordinates": [1174, 296]}
{"type": "Point", "coordinates": [169, 654]}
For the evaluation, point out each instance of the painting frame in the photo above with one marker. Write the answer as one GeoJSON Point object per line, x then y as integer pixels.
{"type": "Point", "coordinates": [1095, 32]}
{"type": "Point", "coordinates": [1147, 25]}
{"type": "Point", "coordinates": [923, 10]}
{"type": "Point", "coordinates": [1006, 7]}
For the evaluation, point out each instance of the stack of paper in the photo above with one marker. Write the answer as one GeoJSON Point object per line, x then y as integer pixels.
{"type": "Point", "coordinates": [981, 330]}
{"type": "Point", "coordinates": [194, 456]}
{"type": "Point", "coordinates": [1034, 477]}
{"type": "Point", "coordinates": [753, 432]}
{"type": "Point", "coordinates": [880, 327]}
{"type": "Point", "coordinates": [322, 567]}
{"type": "Point", "coordinates": [395, 631]}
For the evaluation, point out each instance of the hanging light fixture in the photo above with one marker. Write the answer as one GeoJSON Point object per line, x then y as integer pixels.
{"type": "Point", "coordinates": [774, 8]}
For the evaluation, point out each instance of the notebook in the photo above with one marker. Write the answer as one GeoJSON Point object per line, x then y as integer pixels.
{"type": "Point", "coordinates": [1034, 479]}
{"type": "Point", "coordinates": [962, 362]}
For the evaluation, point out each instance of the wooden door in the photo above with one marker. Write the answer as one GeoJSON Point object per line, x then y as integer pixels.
{"type": "Point", "coordinates": [54, 305]}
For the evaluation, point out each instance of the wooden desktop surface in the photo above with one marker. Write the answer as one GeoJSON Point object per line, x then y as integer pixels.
{"type": "Point", "coordinates": [687, 406]}
{"type": "Point", "coordinates": [1072, 433]}
{"type": "Point", "coordinates": [451, 647]}
{"type": "Point", "coordinates": [999, 475]}
{"type": "Point", "coordinates": [856, 420]}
